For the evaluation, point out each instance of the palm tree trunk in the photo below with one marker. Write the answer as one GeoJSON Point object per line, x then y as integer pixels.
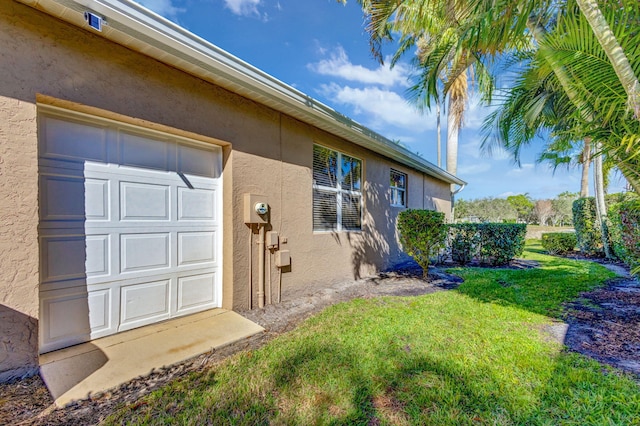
{"type": "Point", "coordinates": [458, 92]}
{"type": "Point", "coordinates": [586, 161]}
{"type": "Point", "coordinates": [453, 131]}
{"type": "Point", "coordinates": [612, 48]}
{"type": "Point", "coordinates": [601, 207]}
{"type": "Point", "coordinates": [439, 148]}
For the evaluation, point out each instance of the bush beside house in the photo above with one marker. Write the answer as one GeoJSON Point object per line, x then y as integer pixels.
{"type": "Point", "coordinates": [489, 243]}
{"type": "Point", "coordinates": [422, 235]}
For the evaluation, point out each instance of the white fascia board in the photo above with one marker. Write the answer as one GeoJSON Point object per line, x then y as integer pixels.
{"type": "Point", "coordinates": [125, 17]}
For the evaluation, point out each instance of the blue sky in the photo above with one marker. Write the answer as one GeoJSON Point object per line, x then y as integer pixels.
{"type": "Point", "coordinates": [321, 48]}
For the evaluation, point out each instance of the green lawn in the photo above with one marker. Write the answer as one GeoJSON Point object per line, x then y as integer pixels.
{"type": "Point", "coordinates": [476, 356]}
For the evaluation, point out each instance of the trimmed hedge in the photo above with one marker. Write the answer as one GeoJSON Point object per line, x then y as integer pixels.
{"type": "Point", "coordinates": [588, 232]}
{"type": "Point", "coordinates": [559, 242]}
{"type": "Point", "coordinates": [490, 243]}
{"type": "Point", "coordinates": [422, 235]}
{"type": "Point", "coordinates": [625, 218]}
{"type": "Point", "coordinates": [462, 241]}
{"type": "Point", "coordinates": [615, 231]}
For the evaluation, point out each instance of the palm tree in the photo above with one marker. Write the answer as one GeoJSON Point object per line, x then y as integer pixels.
{"type": "Point", "coordinates": [481, 29]}
{"type": "Point", "coordinates": [609, 42]}
{"type": "Point", "coordinates": [573, 55]}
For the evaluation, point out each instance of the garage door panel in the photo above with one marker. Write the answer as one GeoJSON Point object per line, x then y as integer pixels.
{"type": "Point", "coordinates": [196, 292]}
{"type": "Point", "coordinates": [69, 313]}
{"type": "Point", "coordinates": [144, 303]}
{"type": "Point", "coordinates": [98, 255]}
{"type": "Point", "coordinates": [143, 152]}
{"type": "Point", "coordinates": [196, 204]}
{"type": "Point", "coordinates": [197, 161]}
{"type": "Point", "coordinates": [144, 252]}
{"type": "Point", "coordinates": [63, 198]}
{"type": "Point", "coordinates": [196, 248]}
{"type": "Point", "coordinates": [62, 258]}
{"type": "Point", "coordinates": [68, 198]}
{"type": "Point", "coordinates": [75, 315]}
{"type": "Point", "coordinates": [142, 201]}
{"type": "Point", "coordinates": [72, 140]}
{"type": "Point", "coordinates": [97, 200]}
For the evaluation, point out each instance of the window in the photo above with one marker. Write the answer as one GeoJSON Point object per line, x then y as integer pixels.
{"type": "Point", "coordinates": [398, 184]}
{"type": "Point", "coordinates": [337, 192]}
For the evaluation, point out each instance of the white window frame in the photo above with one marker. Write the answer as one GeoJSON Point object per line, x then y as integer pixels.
{"type": "Point", "coordinates": [340, 192]}
{"type": "Point", "coordinates": [399, 189]}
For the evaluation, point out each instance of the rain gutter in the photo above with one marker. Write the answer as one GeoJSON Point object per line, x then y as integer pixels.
{"type": "Point", "coordinates": [132, 25]}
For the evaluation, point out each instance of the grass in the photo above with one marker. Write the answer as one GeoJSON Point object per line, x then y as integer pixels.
{"type": "Point", "coordinates": [477, 356]}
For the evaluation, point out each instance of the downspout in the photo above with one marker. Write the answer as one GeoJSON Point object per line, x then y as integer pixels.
{"type": "Point", "coordinates": [261, 265]}
{"type": "Point", "coordinates": [459, 189]}
{"type": "Point", "coordinates": [453, 201]}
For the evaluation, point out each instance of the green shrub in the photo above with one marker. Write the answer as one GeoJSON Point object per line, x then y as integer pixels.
{"type": "Point", "coordinates": [422, 235]}
{"type": "Point", "coordinates": [463, 241]}
{"type": "Point", "coordinates": [615, 231]}
{"type": "Point", "coordinates": [588, 232]}
{"type": "Point", "coordinates": [492, 243]}
{"type": "Point", "coordinates": [559, 242]}
{"type": "Point", "coordinates": [626, 224]}
{"type": "Point", "coordinates": [501, 242]}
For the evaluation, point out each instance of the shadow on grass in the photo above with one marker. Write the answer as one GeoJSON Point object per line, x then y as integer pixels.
{"type": "Point", "coordinates": [327, 385]}
{"type": "Point", "coordinates": [542, 290]}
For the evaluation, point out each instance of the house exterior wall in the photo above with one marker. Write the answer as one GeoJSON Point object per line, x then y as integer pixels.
{"type": "Point", "coordinates": [265, 153]}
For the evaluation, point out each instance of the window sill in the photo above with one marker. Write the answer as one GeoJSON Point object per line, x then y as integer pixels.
{"type": "Point", "coordinates": [335, 231]}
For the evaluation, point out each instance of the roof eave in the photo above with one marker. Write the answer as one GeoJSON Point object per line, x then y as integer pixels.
{"type": "Point", "coordinates": [142, 30]}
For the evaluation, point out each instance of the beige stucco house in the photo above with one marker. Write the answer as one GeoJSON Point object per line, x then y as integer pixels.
{"type": "Point", "coordinates": [134, 164]}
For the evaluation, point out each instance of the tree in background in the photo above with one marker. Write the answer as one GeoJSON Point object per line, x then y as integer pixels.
{"type": "Point", "coordinates": [557, 211]}
{"type": "Point", "coordinates": [485, 210]}
{"type": "Point", "coordinates": [563, 208]}
{"type": "Point", "coordinates": [543, 210]}
{"type": "Point", "coordinates": [523, 205]}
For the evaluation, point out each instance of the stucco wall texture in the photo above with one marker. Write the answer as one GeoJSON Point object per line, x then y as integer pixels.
{"type": "Point", "coordinates": [270, 154]}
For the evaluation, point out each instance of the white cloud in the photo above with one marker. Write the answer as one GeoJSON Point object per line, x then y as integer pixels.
{"type": "Point", "coordinates": [381, 107]}
{"type": "Point", "coordinates": [243, 7]}
{"type": "Point", "coordinates": [338, 65]}
{"type": "Point", "coordinates": [507, 194]}
{"type": "Point", "coordinates": [525, 168]}
{"type": "Point", "coordinates": [476, 113]}
{"type": "Point", "coordinates": [473, 169]}
{"type": "Point", "coordinates": [162, 7]}
{"type": "Point", "coordinates": [470, 147]}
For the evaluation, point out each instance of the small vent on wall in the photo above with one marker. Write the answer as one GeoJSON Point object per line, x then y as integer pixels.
{"type": "Point", "coordinates": [96, 22]}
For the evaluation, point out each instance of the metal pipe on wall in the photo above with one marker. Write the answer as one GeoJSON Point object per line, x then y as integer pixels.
{"type": "Point", "coordinates": [261, 265]}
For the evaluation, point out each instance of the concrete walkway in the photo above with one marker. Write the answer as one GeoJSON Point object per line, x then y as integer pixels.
{"type": "Point", "coordinates": [76, 372]}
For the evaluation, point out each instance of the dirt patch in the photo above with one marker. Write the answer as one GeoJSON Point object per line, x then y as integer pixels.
{"type": "Point", "coordinates": [604, 324]}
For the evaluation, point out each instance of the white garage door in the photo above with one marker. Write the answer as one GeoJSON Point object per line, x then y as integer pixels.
{"type": "Point", "coordinates": [130, 228]}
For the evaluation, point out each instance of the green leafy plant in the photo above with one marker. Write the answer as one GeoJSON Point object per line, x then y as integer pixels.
{"type": "Point", "coordinates": [501, 242]}
{"type": "Point", "coordinates": [559, 242]}
{"type": "Point", "coordinates": [491, 243]}
{"type": "Point", "coordinates": [588, 233]}
{"type": "Point", "coordinates": [625, 219]}
{"type": "Point", "coordinates": [615, 231]}
{"type": "Point", "coordinates": [463, 241]}
{"type": "Point", "coordinates": [422, 235]}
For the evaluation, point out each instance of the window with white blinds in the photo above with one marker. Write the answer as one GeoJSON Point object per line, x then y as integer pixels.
{"type": "Point", "coordinates": [398, 185]}
{"type": "Point", "coordinates": [337, 191]}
